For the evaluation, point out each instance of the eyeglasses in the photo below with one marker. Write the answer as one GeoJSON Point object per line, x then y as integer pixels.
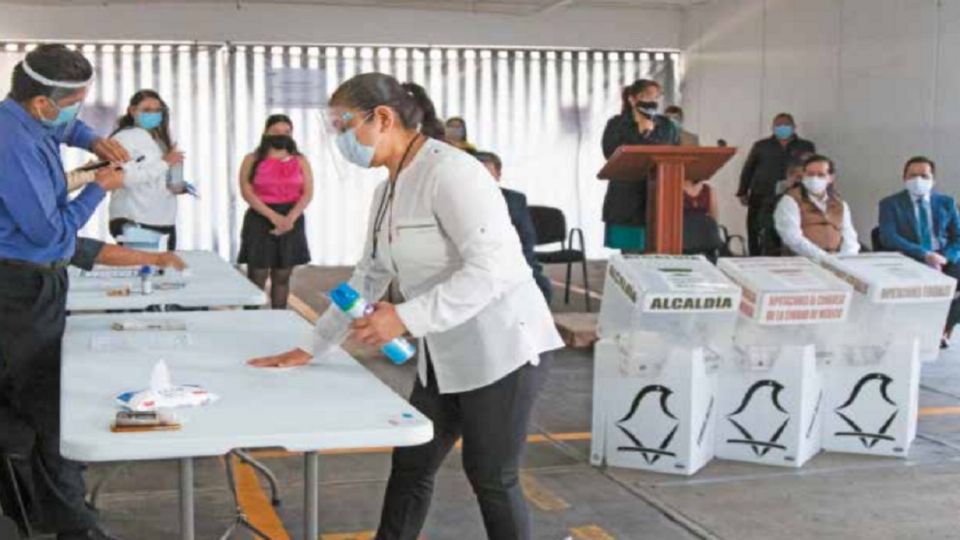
{"type": "Point", "coordinates": [337, 124]}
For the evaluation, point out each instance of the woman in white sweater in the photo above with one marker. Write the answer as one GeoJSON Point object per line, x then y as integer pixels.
{"type": "Point", "coordinates": [440, 227]}
{"type": "Point", "coordinates": [148, 197]}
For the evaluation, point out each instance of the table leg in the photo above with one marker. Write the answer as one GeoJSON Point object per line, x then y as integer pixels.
{"type": "Point", "coordinates": [311, 496]}
{"type": "Point", "coordinates": [186, 499]}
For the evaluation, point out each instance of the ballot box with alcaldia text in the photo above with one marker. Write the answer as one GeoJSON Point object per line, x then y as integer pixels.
{"type": "Point", "coordinates": [771, 387]}
{"type": "Point", "coordinates": [664, 323]}
{"type": "Point", "coordinates": [873, 374]}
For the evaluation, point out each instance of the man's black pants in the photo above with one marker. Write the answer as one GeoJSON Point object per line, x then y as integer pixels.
{"type": "Point", "coordinates": [757, 218]}
{"type": "Point", "coordinates": [493, 423]}
{"type": "Point", "coordinates": [32, 318]}
{"type": "Point", "coordinates": [953, 316]}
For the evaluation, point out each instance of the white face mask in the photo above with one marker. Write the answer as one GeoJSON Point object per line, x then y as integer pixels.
{"type": "Point", "coordinates": [816, 184]}
{"type": "Point", "coordinates": [919, 186]}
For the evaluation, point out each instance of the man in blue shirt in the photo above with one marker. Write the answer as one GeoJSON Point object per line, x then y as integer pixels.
{"type": "Point", "coordinates": [924, 225]}
{"type": "Point", "coordinates": [38, 231]}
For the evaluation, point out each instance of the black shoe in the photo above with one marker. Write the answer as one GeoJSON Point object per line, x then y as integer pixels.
{"type": "Point", "coordinates": [944, 344]}
{"type": "Point", "coordinates": [95, 533]}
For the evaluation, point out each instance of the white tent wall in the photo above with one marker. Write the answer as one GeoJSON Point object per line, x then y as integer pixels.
{"type": "Point", "coordinates": [872, 82]}
{"type": "Point", "coordinates": [542, 110]}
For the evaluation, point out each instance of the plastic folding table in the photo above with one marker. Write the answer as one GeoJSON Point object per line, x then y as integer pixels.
{"type": "Point", "coordinates": [209, 281]}
{"type": "Point", "coordinates": [330, 404]}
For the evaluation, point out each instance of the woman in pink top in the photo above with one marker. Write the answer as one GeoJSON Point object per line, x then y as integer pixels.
{"type": "Point", "coordinates": [277, 183]}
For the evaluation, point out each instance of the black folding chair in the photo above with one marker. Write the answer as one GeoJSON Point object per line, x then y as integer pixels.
{"type": "Point", "coordinates": [731, 240]}
{"type": "Point", "coordinates": [551, 227]}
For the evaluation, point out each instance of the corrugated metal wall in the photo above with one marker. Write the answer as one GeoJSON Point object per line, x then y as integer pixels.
{"type": "Point", "coordinates": [542, 111]}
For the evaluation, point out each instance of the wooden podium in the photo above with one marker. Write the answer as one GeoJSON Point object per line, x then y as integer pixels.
{"type": "Point", "coordinates": [665, 191]}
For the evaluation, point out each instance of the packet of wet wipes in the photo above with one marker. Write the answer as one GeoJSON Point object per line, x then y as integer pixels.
{"type": "Point", "coordinates": [162, 394]}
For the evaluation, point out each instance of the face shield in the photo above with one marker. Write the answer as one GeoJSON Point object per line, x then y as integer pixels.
{"type": "Point", "coordinates": [338, 137]}
{"type": "Point", "coordinates": [61, 89]}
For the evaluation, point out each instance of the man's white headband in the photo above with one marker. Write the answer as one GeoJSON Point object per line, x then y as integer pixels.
{"type": "Point", "coordinates": [49, 82]}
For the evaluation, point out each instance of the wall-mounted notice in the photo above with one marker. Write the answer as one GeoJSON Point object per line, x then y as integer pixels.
{"type": "Point", "coordinates": [296, 88]}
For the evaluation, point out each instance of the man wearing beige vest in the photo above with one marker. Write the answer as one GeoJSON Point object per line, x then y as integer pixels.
{"type": "Point", "coordinates": [811, 219]}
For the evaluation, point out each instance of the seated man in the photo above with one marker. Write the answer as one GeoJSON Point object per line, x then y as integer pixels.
{"type": "Point", "coordinates": [811, 219]}
{"type": "Point", "coordinates": [522, 222]}
{"type": "Point", "coordinates": [924, 225]}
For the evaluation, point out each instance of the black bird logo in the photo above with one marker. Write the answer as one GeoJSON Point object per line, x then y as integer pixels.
{"type": "Point", "coordinates": [869, 440]}
{"type": "Point", "coordinates": [650, 454]}
{"type": "Point", "coordinates": [760, 447]}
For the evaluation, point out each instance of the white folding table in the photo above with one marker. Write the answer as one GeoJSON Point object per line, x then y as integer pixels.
{"type": "Point", "coordinates": [209, 281]}
{"type": "Point", "coordinates": [333, 404]}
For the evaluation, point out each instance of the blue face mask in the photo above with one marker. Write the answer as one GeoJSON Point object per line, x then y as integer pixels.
{"type": "Point", "coordinates": [149, 120]}
{"type": "Point", "coordinates": [65, 115]}
{"type": "Point", "coordinates": [783, 132]}
{"type": "Point", "coordinates": [355, 152]}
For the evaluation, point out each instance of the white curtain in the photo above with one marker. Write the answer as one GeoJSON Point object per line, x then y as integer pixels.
{"type": "Point", "coordinates": [542, 111]}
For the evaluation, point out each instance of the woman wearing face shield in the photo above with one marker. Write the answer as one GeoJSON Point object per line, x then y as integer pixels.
{"type": "Point", "coordinates": [639, 122]}
{"type": "Point", "coordinates": [149, 195]}
{"type": "Point", "coordinates": [277, 183]}
{"type": "Point", "coordinates": [38, 231]}
{"type": "Point", "coordinates": [441, 228]}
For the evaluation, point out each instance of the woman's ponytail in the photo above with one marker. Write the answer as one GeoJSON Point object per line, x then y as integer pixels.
{"type": "Point", "coordinates": [430, 124]}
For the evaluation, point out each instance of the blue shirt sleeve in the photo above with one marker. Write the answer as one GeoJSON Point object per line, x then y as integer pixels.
{"type": "Point", "coordinates": [77, 135]}
{"type": "Point", "coordinates": [32, 201]}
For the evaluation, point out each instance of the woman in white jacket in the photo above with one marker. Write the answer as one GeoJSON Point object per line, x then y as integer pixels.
{"type": "Point", "coordinates": [441, 228]}
{"type": "Point", "coordinates": [148, 197]}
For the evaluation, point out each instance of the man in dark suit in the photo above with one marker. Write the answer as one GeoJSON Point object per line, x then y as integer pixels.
{"type": "Point", "coordinates": [765, 166]}
{"type": "Point", "coordinates": [924, 225]}
{"type": "Point", "coordinates": [522, 222]}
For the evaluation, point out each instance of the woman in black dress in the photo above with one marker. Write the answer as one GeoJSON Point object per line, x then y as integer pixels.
{"type": "Point", "coordinates": [639, 122]}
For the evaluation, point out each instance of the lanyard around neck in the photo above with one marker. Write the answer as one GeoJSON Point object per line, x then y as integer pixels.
{"type": "Point", "coordinates": [386, 200]}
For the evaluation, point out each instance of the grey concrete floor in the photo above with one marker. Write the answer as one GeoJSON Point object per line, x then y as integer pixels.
{"type": "Point", "coordinates": [834, 496]}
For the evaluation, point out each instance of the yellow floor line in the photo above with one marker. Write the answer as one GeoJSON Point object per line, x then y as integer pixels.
{"type": "Point", "coordinates": [540, 496]}
{"type": "Point", "coordinates": [533, 439]}
{"type": "Point", "coordinates": [255, 503]}
{"type": "Point", "coordinates": [301, 307]}
{"type": "Point", "coordinates": [939, 411]}
{"type": "Point", "coordinates": [591, 532]}
{"type": "Point", "coordinates": [360, 535]}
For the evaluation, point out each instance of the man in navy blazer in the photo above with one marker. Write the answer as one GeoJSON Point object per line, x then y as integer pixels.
{"type": "Point", "coordinates": [522, 222]}
{"type": "Point", "coordinates": [924, 225]}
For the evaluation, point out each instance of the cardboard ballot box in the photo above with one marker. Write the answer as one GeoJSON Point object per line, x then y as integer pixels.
{"type": "Point", "coordinates": [771, 387]}
{"type": "Point", "coordinates": [873, 375]}
{"type": "Point", "coordinates": [664, 323]}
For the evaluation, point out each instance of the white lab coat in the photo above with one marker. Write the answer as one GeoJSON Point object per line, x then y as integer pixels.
{"type": "Point", "coordinates": [144, 197]}
{"type": "Point", "coordinates": [448, 240]}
